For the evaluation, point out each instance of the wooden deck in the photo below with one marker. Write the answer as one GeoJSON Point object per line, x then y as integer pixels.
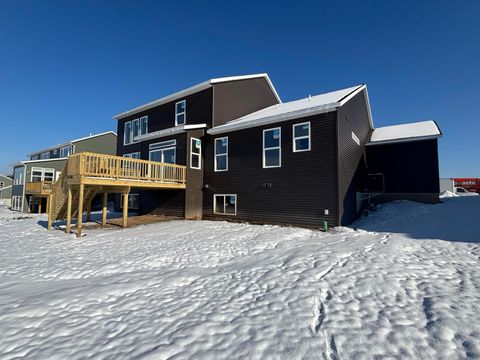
{"type": "Point", "coordinates": [88, 174]}
{"type": "Point", "coordinates": [39, 188]}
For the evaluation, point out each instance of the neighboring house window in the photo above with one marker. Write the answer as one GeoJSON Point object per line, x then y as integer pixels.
{"type": "Point", "coordinates": [34, 157]}
{"type": "Point", "coordinates": [225, 204]}
{"type": "Point", "coordinates": [132, 201]}
{"type": "Point", "coordinates": [134, 155]}
{"type": "Point", "coordinates": [180, 112]}
{"type": "Point", "coordinates": [48, 174]}
{"type": "Point", "coordinates": [45, 155]}
{"type": "Point", "coordinates": [18, 176]}
{"type": "Point", "coordinates": [133, 129]}
{"type": "Point", "coordinates": [2, 184]}
{"type": "Point", "coordinates": [272, 150]}
{"type": "Point", "coordinates": [221, 154]}
{"type": "Point", "coordinates": [355, 138]}
{"type": "Point", "coordinates": [164, 151]}
{"type": "Point", "coordinates": [55, 152]}
{"type": "Point", "coordinates": [301, 137]}
{"type": "Point", "coordinates": [37, 174]}
{"type": "Point", "coordinates": [17, 203]}
{"type": "Point", "coordinates": [66, 151]}
{"type": "Point", "coordinates": [195, 153]}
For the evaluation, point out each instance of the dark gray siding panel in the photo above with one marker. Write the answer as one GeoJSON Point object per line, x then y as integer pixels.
{"type": "Point", "coordinates": [234, 99]}
{"type": "Point", "coordinates": [103, 144]}
{"type": "Point", "coordinates": [300, 190]}
{"type": "Point", "coordinates": [193, 193]}
{"type": "Point", "coordinates": [353, 116]}
{"type": "Point", "coordinates": [199, 111]}
{"type": "Point", "coordinates": [409, 167]}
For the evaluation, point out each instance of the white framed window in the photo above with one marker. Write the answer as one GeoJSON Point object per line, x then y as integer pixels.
{"type": "Point", "coordinates": [132, 201]}
{"type": "Point", "coordinates": [34, 157]}
{"type": "Point", "coordinates": [18, 176]}
{"type": "Point", "coordinates": [133, 129]}
{"type": "Point", "coordinates": [48, 174]}
{"type": "Point", "coordinates": [17, 203]}
{"type": "Point", "coordinates": [134, 155]}
{"type": "Point", "coordinates": [45, 155]}
{"type": "Point", "coordinates": [55, 152]}
{"type": "Point", "coordinates": [195, 153]}
{"type": "Point", "coordinates": [164, 151]}
{"type": "Point", "coordinates": [221, 154]}
{"type": "Point", "coordinates": [66, 151]}
{"type": "Point", "coordinates": [272, 148]}
{"type": "Point", "coordinates": [301, 137]}
{"type": "Point", "coordinates": [180, 113]}
{"type": "Point", "coordinates": [36, 174]}
{"type": "Point", "coordinates": [225, 204]}
{"type": "Point", "coordinates": [2, 184]}
{"type": "Point", "coordinates": [355, 138]}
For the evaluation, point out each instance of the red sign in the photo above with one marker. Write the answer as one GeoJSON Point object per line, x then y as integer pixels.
{"type": "Point", "coordinates": [470, 184]}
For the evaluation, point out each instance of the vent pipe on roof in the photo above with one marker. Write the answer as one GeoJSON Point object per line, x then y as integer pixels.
{"type": "Point", "coordinates": [309, 97]}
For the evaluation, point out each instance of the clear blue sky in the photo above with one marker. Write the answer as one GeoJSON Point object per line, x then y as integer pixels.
{"type": "Point", "coordinates": [66, 67]}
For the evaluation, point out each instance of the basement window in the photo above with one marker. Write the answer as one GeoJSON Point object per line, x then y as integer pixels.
{"type": "Point", "coordinates": [221, 154]}
{"type": "Point", "coordinates": [132, 201]}
{"type": "Point", "coordinates": [225, 204]}
{"type": "Point", "coordinates": [301, 137]}
{"type": "Point", "coordinates": [272, 150]}
{"type": "Point", "coordinates": [195, 153]}
{"type": "Point", "coordinates": [180, 112]}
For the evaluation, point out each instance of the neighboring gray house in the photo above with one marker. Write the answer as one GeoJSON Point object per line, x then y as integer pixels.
{"type": "Point", "coordinates": [34, 178]}
{"type": "Point", "coordinates": [5, 189]}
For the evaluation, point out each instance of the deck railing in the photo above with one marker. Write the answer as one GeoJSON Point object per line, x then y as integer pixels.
{"type": "Point", "coordinates": [116, 167]}
{"type": "Point", "coordinates": [39, 187]}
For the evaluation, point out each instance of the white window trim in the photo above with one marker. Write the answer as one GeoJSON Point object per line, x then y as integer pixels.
{"type": "Point", "coordinates": [130, 133]}
{"type": "Point", "coordinates": [48, 170]}
{"type": "Point", "coordinates": [355, 138]}
{"type": "Point", "coordinates": [17, 203]}
{"type": "Point", "coordinates": [180, 113]}
{"type": "Point", "coordinates": [216, 169]}
{"type": "Point", "coordinates": [199, 154]}
{"type": "Point", "coordinates": [62, 151]}
{"type": "Point", "coordinates": [36, 169]}
{"type": "Point", "coordinates": [224, 202]}
{"type": "Point", "coordinates": [163, 144]}
{"type": "Point", "coordinates": [309, 137]}
{"type": "Point", "coordinates": [130, 155]}
{"type": "Point", "coordinates": [44, 158]}
{"type": "Point", "coordinates": [162, 150]}
{"type": "Point", "coordinates": [279, 147]}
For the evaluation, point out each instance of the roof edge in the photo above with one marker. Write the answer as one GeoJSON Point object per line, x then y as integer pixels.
{"type": "Point", "coordinates": [409, 139]}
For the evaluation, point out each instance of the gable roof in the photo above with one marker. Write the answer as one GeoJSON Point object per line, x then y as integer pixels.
{"type": "Point", "coordinates": [422, 130]}
{"type": "Point", "coordinates": [196, 88]}
{"type": "Point", "coordinates": [71, 142]}
{"type": "Point", "coordinates": [295, 109]}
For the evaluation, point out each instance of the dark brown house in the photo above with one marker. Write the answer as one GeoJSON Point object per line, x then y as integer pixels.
{"type": "Point", "coordinates": [250, 157]}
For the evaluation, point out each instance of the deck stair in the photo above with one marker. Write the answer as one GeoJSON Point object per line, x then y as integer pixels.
{"type": "Point", "coordinates": [88, 174]}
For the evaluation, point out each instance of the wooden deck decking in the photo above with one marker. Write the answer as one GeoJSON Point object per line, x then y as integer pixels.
{"type": "Point", "coordinates": [87, 174]}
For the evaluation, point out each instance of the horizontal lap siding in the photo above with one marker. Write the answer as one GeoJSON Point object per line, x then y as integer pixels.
{"type": "Point", "coordinates": [409, 167]}
{"type": "Point", "coordinates": [103, 144]}
{"type": "Point", "coordinates": [353, 116]}
{"type": "Point", "coordinates": [301, 189]}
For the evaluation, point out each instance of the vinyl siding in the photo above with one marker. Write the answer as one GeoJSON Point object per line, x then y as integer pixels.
{"type": "Point", "coordinates": [408, 167]}
{"type": "Point", "coordinates": [353, 116]}
{"type": "Point", "coordinates": [234, 99]}
{"type": "Point", "coordinates": [103, 144]}
{"type": "Point", "coordinates": [300, 190]}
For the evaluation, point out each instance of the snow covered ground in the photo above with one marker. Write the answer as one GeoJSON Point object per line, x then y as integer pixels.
{"type": "Point", "coordinates": [405, 284]}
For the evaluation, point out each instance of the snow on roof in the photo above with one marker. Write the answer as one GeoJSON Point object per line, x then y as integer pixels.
{"type": "Point", "coordinates": [196, 88]}
{"type": "Point", "coordinates": [405, 132]}
{"type": "Point", "coordinates": [290, 110]}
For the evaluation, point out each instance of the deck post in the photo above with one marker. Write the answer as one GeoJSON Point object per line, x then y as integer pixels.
{"type": "Point", "coordinates": [49, 212]}
{"type": "Point", "coordinates": [125, 208]}
{"type": "Point", "coordinates": [104, 208]}
{"type": "Point", "coordinates": [80, 210]}
{"type": "Point", "coordinates": [69, 210]}
{"type": "Point", "coordinates": [39, 205]}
